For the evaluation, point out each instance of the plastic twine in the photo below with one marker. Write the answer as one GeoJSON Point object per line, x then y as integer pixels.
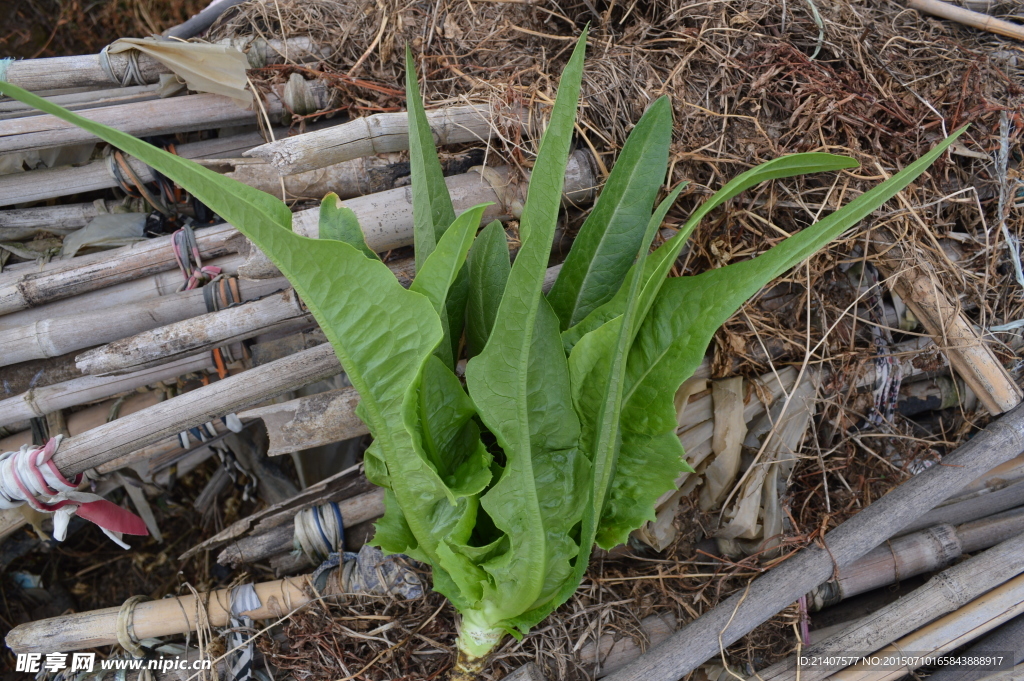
{"type": "Point", "coordinates": [186, 253]}
{"type": "Point", "coordinates": [30, 473]}
{"type": "Point", "coordinates": [243, 599]}
{"type": "Point", "coordinates": [368, 572]}
{"type": "Point", "coordinates": [132, 73]}
{"type": "Point", "coordinates": [319, 531]}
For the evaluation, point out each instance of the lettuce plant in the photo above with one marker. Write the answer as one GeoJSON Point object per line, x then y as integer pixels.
{"type": "Point", "coordinates": [564, 434]}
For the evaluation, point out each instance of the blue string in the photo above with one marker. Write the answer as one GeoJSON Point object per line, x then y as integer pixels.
{"type": "Point", "coordinates": [320, 528]}
{"type": "Point", "coordinates": [4, 63]}
{"type": "Point", "coordinates": [341, 526]}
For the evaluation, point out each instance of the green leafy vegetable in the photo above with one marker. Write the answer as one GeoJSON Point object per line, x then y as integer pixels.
{"type": "Point", "coordinates": [572, 391]}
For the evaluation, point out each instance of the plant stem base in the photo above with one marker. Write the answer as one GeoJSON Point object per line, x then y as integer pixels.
{"type": "Point", "coordinates": [467, 667]}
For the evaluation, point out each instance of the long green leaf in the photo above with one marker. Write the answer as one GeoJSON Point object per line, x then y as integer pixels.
{"type": "Point", "coordinates": [488, 265]}
{"type": "Point", "coordinates": [455, 309]}
{"type": "Point", "coordinates": [660, 262]}
{"type": "Point", "coordinates": [440, 415]}
{"type": "Point", "coordinates": [607, 243]}
{"type": "Point", "coordinates": [432, 210]}
{"type": "Point", "coordinates": [520, 385]}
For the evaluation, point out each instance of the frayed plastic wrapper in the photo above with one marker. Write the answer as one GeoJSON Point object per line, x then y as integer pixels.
{"type": "Point", "coordinates": [371, 572]}
{"type": "Point", "coordinates": [30, 477]}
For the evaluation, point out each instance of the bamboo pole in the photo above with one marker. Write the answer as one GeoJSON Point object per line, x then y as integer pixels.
{"type": "Point", "coordinates": [348, 179]}
{"type": "Point", "coordinates": [101, 445]}
{"type": "Point", "coordinates": [78, 71]}
{"type": "Point", "coordinates": [972, 360]}
{"type": "Point", "coordinates": [376, 134]}
{"type": "Point", "coordinates": [725, 624]}
{"type": "Point", "coordinates": [114, 298]}
{"type": "Point", "coordinates": [914, 554]}
{"type": "Point", "coordinates": [86, 70]}
{"type": "Point", "coordinates": [945, 593]}
{"type": "Point", "coordinates": [1010, 472]}
{"type": "Point", "coordinates": [164, 617]}
{"type": "Point", "coordinates": [960, 510]}
{"type": "Point", "coordinates": [952, 631]}
{"type": "Point", "coordinates": [23, 223]}
{"type": "Point", "coordinates": [90, 417]}
{"type": "Point", "coordinates": [24, 287]}
{"type": "Point", "coordinates": [42, 401]}
{"type": "Point", "coordinates": [274, 312]}
{"type": "Point", "coordinates": [48, 183]}
{"type": "Point", "coordinates": [311, 421]}
{"type": "Point", "coordinates": [53, 337]}
{"type": "Point", "coordinates": [897, 559]}
{"type": "Point", "coordinates": [983, 533]}
{"type": "Point", "coordinates": [20, 378]}
{"type": "Point", "coordinates": [968, 17]}
{"type": "Point", "coordinates": [352, 178]}
{"type": "Point", "coordinates": [186, 113]}
{"type": "Point", "coordinates": [75, 101]}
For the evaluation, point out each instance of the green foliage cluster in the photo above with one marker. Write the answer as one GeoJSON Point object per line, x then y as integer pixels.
{"type": "Point", "coordinates": [564, 434]}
